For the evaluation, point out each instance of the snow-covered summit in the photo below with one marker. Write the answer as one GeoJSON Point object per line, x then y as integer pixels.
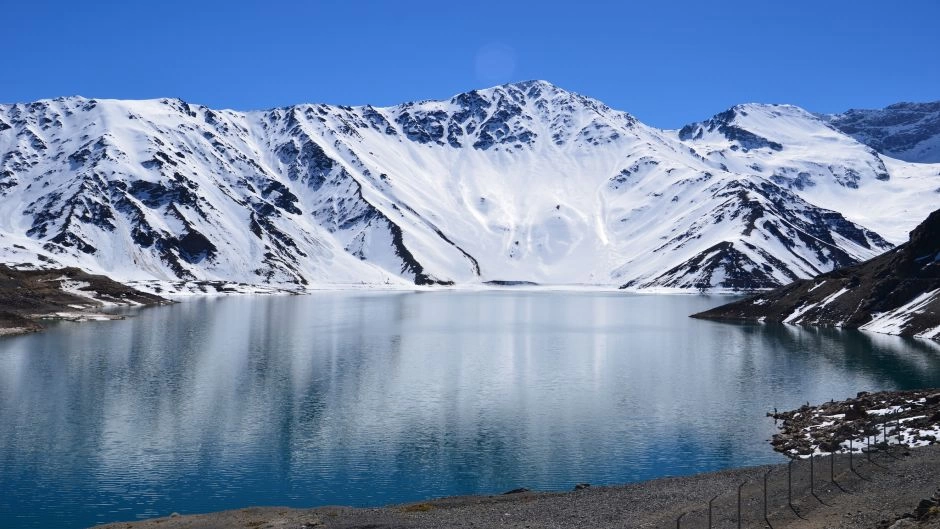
{"type": "Point", "coordinates": [524, 181]}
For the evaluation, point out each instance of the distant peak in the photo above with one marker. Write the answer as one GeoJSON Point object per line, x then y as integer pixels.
{"type": "Point", "coordinates": [532, 89]}
{"type": "Point", "coordinates": [539, 83]}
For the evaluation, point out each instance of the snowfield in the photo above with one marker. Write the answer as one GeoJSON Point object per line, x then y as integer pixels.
{"type": "Point", "coordinates": [522, 182]}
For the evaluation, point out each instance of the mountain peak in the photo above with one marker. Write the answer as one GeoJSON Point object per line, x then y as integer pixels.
{"type": "Point", "coordinates": [534, 90]}
{"type": "Point", "coordinates": [530, 83]}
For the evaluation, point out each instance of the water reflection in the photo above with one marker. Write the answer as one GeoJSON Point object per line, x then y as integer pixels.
{"type": "Point", "coordinates": [340, 398]}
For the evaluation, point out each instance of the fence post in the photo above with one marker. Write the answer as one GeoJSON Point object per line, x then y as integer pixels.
{"type": "Point", "coordinates": [851, 460]}
{"type": "Point", "coordinates": [790, 483]}
{"type": "Point", "coordinates": [898, 432]}
{"type": "Point", "coordinates": [832, 467]}
{"type": "Point", "coordinates": [766, 520]}
{"type": "Point", "coordinates": [679, 520]}
{"type": "Point", "coordinates": [710, 510]}
{"type": "Point", "coordinates": [812, 476]}
{"type": "Point", "coordinates": [868, 440]}
{"type": "Point", "coordinates": [739, 502]}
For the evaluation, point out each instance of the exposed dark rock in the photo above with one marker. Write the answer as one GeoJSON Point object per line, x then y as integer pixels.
{"type": "Point", "coordinates": [778, 214]}
{"type": "Point", "coordinates": [924, 507]}
{"type": "Point", "coordinates": [309, 164]}
{"type": "Point", "coordinates": [378, 121]}
{"type": "Point", "coordinates": [520, 490]}
{"type": "Point", "coordinates": [27, 296]}
{"type": "Point", "coordinates": [852, 296]}
{"type": "Point", "coordinates": [724, 124]}
{"type": "Point", "coordinates": [423, 127]}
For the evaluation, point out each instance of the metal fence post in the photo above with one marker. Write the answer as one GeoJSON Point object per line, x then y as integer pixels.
{"type": "Point", "coordinates": [812, 476]}
{"type": "Point", "coordinates": [790, 483]}
{"type": "Point", "coordinates": [851, 461]}
{"type": "Point", "coordinates": [898, 432]}
{"type": "Point", "coordinates": [765, 496]}
{"type": "Point", "coordinates": [710, 510]}
{"type": "Point", "coordinates": [739, 502]}
{"type": "Point", "coordinates": [679, 520]}
{"type": "Point", "coordinates": [832, 467]}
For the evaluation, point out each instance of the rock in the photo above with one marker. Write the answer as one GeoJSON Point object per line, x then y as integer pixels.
{"type": "Point", "coordinates": [923, 508]}
{"type": "Point", "coordinates": [520, 490]}
{"type": "Point", "coordinates": [582, 486]}
{"type": "Point", "coordinates": [930, 400]}
{"type": "Point", "coordinates": [903, 523]}
{"type": "Point", "coordinates": [861, 394]}
{"type": "Point", "coordinates": [885, 282]}
{"type": "Point", "coordinates": [855, 412]}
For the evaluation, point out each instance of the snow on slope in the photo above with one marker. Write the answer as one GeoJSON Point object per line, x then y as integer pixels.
{"type": "Point", "coordinates": [805, 155]}
{"type": "Point", "coordinates": [522, 182]}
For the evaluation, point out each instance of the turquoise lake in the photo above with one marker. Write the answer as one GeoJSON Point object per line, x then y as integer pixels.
{"type": "Point", "coordinates": [366, 399]}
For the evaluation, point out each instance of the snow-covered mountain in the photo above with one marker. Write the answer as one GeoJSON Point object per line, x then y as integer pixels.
{"type": "Point", "coordinates": [906, 131]}
{"type": "Point", "coordinates": [521, 182]}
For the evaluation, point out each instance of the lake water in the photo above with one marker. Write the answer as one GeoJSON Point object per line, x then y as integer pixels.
{"type": "Point", "coordinates": [368, 399]}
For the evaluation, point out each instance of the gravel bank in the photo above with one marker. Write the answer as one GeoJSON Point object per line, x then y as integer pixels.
{"type": "Point", "coordinates": [876, 494]}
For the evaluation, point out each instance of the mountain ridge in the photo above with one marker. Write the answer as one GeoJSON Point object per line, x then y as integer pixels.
{"type": "Point", "coordinates": [519, 182]}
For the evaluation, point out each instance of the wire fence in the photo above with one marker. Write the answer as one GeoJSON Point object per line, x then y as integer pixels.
{"type": "Point", "coordinates": [804, 484]}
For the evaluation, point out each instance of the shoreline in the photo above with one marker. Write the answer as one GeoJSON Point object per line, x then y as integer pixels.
{"type": "Point", "coordinates": [865, 494]}
{"type": "Point", "coordinates": [16, 322]}
{"type": "Point", "coordinates": [29, 297]}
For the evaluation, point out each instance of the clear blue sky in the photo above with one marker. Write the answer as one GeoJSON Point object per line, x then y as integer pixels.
{"type": "Point", "coordinates": [666, 62]}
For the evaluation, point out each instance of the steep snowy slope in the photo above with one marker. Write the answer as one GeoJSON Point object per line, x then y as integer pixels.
{"type": "Point", "coordinates": [801, 152]}
{"type": "Point", "coordinates": [521, 182]}
{"type": "Point", "coordinates": [157, 189]}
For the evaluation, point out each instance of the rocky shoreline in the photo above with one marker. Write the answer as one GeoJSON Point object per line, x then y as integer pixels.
{"type": "Point", "coordinates": [869, 421]}
{"type": "Point", "coordinates": [896, 293]}
{"type": "Point", "coordinates": [30, 296]}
